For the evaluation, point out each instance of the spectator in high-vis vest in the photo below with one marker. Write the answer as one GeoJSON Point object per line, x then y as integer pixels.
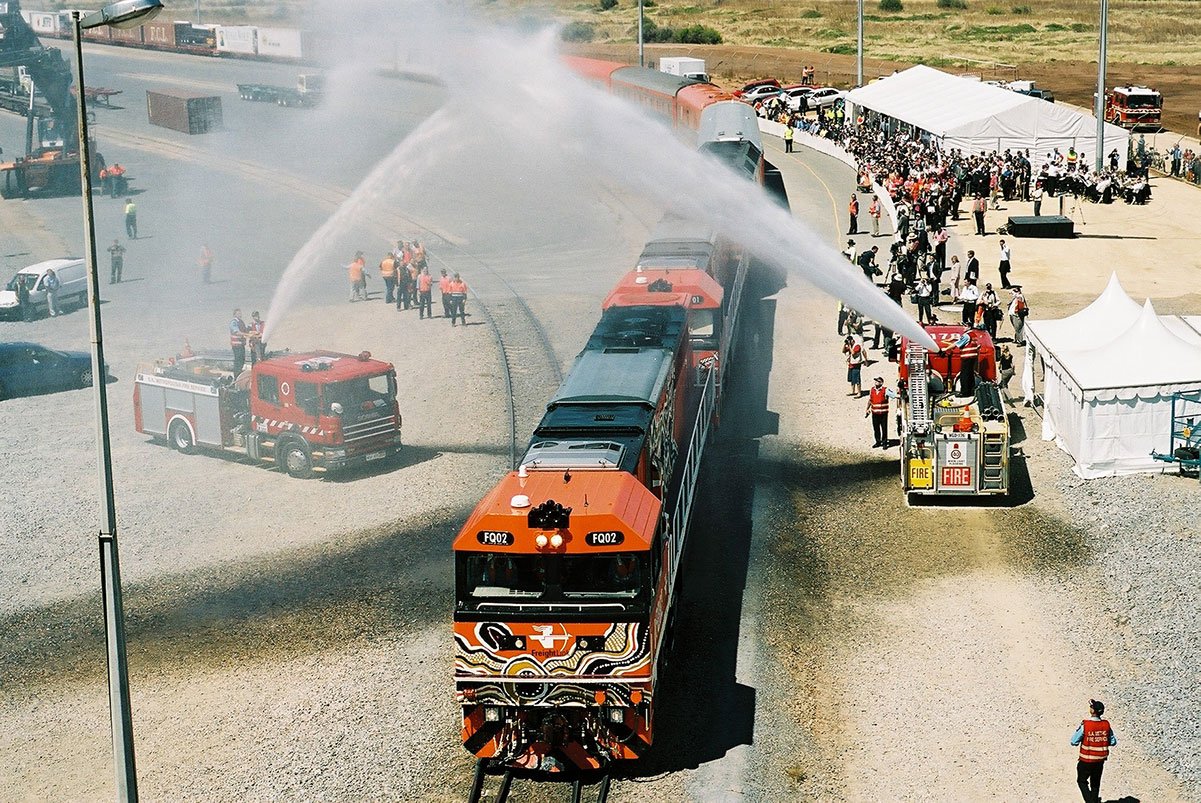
{"type": "Point", "coordinates": [1094, 737]}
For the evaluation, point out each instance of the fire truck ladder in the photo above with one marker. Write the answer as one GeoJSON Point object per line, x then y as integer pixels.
{"type": "Point", "coordinates": [919, 386]}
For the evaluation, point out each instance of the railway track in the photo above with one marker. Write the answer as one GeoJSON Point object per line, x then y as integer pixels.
{"type": "Point", "coordinates": [530, 368]}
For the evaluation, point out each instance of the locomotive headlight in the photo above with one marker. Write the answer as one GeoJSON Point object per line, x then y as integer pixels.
{"type": "Point", "coordinates": [491, 714]}
{"type": "Point", "coordinates": [541, 541]}
{"type": "Point", "coordinates": [617, 715]}
{"type": "Point", "coordinates": [556, 540]}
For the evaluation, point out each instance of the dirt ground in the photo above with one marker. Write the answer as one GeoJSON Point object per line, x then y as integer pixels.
{"type": "Point", "coordinates": [1071, 81]}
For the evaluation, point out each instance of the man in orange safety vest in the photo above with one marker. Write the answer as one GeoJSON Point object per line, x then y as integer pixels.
{"type": "Point", "coordinates": [877, 408]}
{"type": "Point", "coordinates": [1094, 737]}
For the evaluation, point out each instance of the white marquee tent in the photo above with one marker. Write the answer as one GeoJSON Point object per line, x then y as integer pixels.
{"type": "Point", "coordinates": [1109, 374]}
{"type": "Point", "coordinates": [974, 116]}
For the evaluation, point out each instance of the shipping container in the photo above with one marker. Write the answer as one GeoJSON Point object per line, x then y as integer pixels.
{"type": "Point", "coordinates": [42, 22]}
{"type": "Point", "coordinates": [187, 34]}
{"type": "Point", "coordinates": [284, 43]}
{"type": "Point", "coordinates": [158, 34]}
{"type": "Point", "coordinates": [189, 112]}
{"type": "Point", "coordinates": [131, 36]}
{"type": "Point", "coordinates": [103, 33]}
{"type": "Point", "coordinates": [240, 39]}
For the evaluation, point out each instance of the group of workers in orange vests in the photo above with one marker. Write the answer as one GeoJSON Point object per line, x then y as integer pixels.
{"type": "Point", "coordinates": [113, 181]}
{"type": "Point", "coordinates": [407, 282]}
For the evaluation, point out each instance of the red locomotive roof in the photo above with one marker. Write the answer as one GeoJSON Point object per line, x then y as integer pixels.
{"type": "Point", "coordinates": [690, 283]}
{"type": "Point", "coordinates": [602, 502]}
{"type": "Point", "coordinates": [596, 69]}
{"type": "Point", "coordinates": [325, 366]}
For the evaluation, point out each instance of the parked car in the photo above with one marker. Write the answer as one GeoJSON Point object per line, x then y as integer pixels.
{"type": "Point", "coordinates": [793, 94]}
{"type": "Point", "coordinates": [738, 93]}
{"type": "Point", "coordinates": [826, 96]}
{"type": "Point", "coordinates": [72, 275]}
{"type": "Point", "coordinates": [1041, 94]}
{"type": "Point", "coordinates": [27, 369]}
{"type": "Point", "coordinates": [756, 94]}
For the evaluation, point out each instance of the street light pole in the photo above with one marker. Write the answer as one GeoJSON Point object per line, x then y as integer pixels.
{"type": "Point", "coordinates": [641, 53]}
{"type": "Point", "coordinates": [1099, 104]}
{"type": "Point", "coordinates": [110, 565]}
{"type": "Point", "coordinates": [859, 57]}
{"type": "Point", "coordinates": [121, 14]}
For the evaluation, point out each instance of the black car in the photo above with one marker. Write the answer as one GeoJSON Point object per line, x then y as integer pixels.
{"type": "Point", "coordinates": [27, 369]}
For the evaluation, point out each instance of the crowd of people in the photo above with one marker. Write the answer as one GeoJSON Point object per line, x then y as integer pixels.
{"type": "Point", "coordinates": [408, 283]}
{"type": "Point", "coordinates": [930, 189]}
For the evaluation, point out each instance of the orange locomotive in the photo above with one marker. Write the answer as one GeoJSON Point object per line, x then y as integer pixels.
{"type": "Point", "coordinates": [566, 571]}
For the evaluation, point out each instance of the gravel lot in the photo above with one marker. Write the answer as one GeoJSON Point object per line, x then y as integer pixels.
{"type": "Point", "coordinates": [289, 639]}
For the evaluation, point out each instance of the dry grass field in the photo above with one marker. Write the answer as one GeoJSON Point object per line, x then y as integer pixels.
{"type": "Point", "coordinates": [1153, 42]}
{"type": "Point", "coordinates": [1163, 32]}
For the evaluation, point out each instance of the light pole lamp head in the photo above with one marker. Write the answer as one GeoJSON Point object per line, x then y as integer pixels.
{"type": "Point", "coordinates": [123, 14]}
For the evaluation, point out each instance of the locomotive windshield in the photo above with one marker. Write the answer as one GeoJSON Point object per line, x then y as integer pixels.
{"type": "Point", "coordinates": [492, 582]}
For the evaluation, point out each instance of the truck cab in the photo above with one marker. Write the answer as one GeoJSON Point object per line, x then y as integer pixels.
{"type": "Point", "coordinates": [1134, 107]}
{"type": "Point", "coordinates": [310, 412]}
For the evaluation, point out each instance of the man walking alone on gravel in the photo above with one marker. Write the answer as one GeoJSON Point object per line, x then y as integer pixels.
{"type": "Point", "coordinates": [131, 219]}
{"type": "Point", "coordinates": [117, 252]}
{"type": "Point", "coordinates": [1094, 737]}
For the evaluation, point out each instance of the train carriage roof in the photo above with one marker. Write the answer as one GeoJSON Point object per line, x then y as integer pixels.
{"type": "Point", "coordinates": [653, 80]}
{"type": "Point", "coordinates": [616, 374]}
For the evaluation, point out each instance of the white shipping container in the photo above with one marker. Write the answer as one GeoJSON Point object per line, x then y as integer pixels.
{"type": "Point", "coordinates": [44, 23]}
{"type": "Point", "coordinates": [238, 39]}
{"type": "Point", "coordinates": [280, 42]}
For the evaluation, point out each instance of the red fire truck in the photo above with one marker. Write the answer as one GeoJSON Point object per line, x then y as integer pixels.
{"type": "Point", "coordinates": [954, 427]}
{"type": "Point", "coordinates": [306, 412]}
{"type": "Point", "coordinates": [1133, 107]}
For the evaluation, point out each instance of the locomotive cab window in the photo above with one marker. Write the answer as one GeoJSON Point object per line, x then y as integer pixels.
{"type": "Point", "coordinates": [609, 576]}
{"type": "Point", "coordinates": [545, 582]}
{"type": "Point", "coordinates": [702, 328]}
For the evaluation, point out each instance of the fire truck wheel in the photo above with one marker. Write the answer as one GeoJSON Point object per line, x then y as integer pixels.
{"type": "Point", "coordinates": [181, 437]}
{"type": "Point", "coordinates": [294, 457]}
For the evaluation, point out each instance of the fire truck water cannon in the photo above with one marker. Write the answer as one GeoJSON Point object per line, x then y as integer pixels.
{"type": "Point", "coordinates": [954, 427]}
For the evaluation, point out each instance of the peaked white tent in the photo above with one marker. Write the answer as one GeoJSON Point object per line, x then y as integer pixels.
{"type": "Point", "coordinates": [974, 116]}
{"type": "Point", "coordinates": [1109, 379]}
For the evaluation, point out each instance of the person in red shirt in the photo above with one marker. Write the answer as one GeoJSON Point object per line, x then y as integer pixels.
{"type": "Point", "coordinates": [424, 283]}
{"type": "Point", "coordinates": [1094, 737]}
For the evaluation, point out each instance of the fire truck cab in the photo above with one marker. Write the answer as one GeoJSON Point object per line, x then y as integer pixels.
{"type": "Point", "coordinates": [954, 428]}
{"type": "Point", "coordinates": [315, 411]}
{"type": "Point", "coordinates": [1133, 107]}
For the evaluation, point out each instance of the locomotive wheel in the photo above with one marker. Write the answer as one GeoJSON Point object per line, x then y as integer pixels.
{"type": "Point", "coordinates": [294, 457]}
{"type": "Point", "coordinates": [181, 437]}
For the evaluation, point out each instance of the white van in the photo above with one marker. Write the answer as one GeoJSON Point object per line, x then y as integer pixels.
{"type": "Point", "coordinates": [72, 274]}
